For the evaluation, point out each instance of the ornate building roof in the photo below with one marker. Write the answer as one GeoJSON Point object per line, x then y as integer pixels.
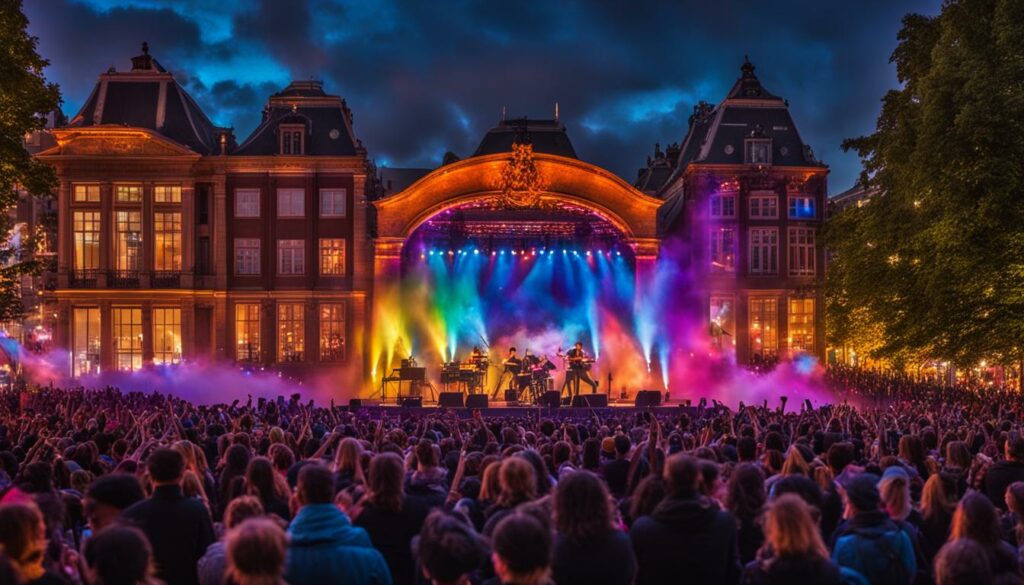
{"type": "Point", "coordinates": [325, 118]}
{"type": "Point", "coordinates": [547, 136]}
{"type": "Point", "coordinates": [149, 97]}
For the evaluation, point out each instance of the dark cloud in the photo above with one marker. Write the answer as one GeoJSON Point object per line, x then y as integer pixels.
{"type": "Point", "coordinates": [426, 77]}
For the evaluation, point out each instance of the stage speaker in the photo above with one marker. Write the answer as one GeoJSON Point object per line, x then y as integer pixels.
{"type": "Point", "coordinates": [412, 402]}
{"type": "Point", "coordinates": [450, 400]}
{"type": "Point", "coordinates": [511, 395]}
{"type": "Point", "coordinates": [591, 400]}
{"type": "Point", "coordinates": [476, 401]}
{"type": "Point", "coordinates": [648, 398]}
{"type": "Point", "coordinates": [355, 404]}
{"type": "Point", "coordinates": [551, 399]}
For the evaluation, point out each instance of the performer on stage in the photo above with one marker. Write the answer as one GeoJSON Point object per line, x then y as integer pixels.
{"type": "Point", "coordinates": [512, 367]}
{"type": "Point", "coordinates": [578, 370]}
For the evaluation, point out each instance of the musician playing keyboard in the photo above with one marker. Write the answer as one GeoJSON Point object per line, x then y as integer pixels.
{"type": "Point", "coordinates": [578, 370]}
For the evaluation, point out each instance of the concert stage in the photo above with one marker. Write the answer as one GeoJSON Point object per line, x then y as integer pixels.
{"type": "Point", "coordinates": [500, 409]}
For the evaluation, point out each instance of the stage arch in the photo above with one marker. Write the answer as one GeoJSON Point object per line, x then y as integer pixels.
{"type": "Point", "coordinates": [619, 229]}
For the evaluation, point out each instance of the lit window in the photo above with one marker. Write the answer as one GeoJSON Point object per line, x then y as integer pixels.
{"type": "Point", "coordinates": [291, 332]}
{"type": "Point", "coordinates": [85, 352]}
{"type": "Point", "coordinates": [127, 325]}
{"type": "Point", "coordinates": [167, 241]}
{"type": "Point", "coordinates": [723, 205]}
{"type": "Point", "coordinates": [722, 323]}
{"type": "Point", "coordinates": [87, 193]}
{"type": "Point", "coordinates": [332, 257]}
{"type": "Point", "coordinates": [292, 139]}
{"type": "Point", "coordinates": [801, 251]}
{"type": "Point", "coordinates": [332, 332]}
{"type": "Point", "coordinates": [87, 240]}
{"type": "Point", "coordinates": [764, 335]}
{"type": "Point", "coordinates": [247, 332]}
{"type": "Point", "coordinates": [764, 250]}
{"type": "Point", "coordinates": [723, 249]}
{"type": "Point", "coordinates": [801, 207]}
{"type": "Point", "coordinates": [764, 206]}
{"type": "Point", "coordinates": [166, 336]}
{"type": "Point", "coordinates": [247, 202]}
{"type": "Point", "coordinates": [128, 193]}
{"type": "Point", "coordinates": [128, 243]}
{"type": "Point", "coordinates": [291, 203]}
{"type": "Point", "coordinates": [758, 152]}
{"type": "Point", "coordinates": [291, 257]}
{"type": "Point", "coordinates": [247, 256]}
{"type": "Point", "coordinates": [167, 194]}
{"type": "Point", "coordinates": [332, 202]}
{"type": "Point", "coordinates": [801, 325]}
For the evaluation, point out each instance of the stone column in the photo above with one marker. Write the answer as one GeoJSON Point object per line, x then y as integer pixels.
{"type": "Point", "coordinates": [218, 220]}
{"type": "Point", "coordinates": [107, 235]}
{"type": "Point", "coordinates": [107, 348]}
{"type": "Point", "coordinates": [147, 333]}
{"type": "Point", "coordinates": [65, 234]}
{"type": "Point", "coordinates": [222, 337]}
{"type": "Point", "coordinates": [188, 236]}
{"type": "Point", "coordinates": [188, 329]}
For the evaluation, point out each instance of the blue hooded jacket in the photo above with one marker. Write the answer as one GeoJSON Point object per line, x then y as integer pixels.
{"type": "Point", "coordinates": [326, 548]}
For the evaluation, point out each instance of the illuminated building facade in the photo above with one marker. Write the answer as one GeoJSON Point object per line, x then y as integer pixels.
{"type": "Point", "coordinates": [749, 198]}
{"type": "Point", "coordinates": [286, 251]}
{"type": "Point", "coordinates": [176, 243]}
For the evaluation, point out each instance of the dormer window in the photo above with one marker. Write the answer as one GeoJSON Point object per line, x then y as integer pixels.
{"type": "Point", "coordinates": [758, 151]}
{"type": "Point", "coordinates": [292, 138]}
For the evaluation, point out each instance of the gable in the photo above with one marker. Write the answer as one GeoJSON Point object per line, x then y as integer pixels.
{"type": "Point", "coordinates": [100, 141]}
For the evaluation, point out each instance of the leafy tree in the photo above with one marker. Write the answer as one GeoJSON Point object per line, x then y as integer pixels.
{"type": "Point", "coordinates": [937, 258]}
{"type": "Point", "coordinates": [25, 100]}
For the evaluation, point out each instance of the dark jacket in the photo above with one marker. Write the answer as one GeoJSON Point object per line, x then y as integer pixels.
{"type": "Point", "coordinates": [324, 545]}
{"type": "Point", "coordinates": [782, 571]}
{"type": "Point", "coordinates": [998, 477]}
{"type": "Point", "coordinates": [608, 560]}
{"type": "Point", "coordinates": [179, 530]}
{"type": "Point", "coordinates": [391, 533]}
{"type": "Point", "coordinates": [686, 539]}
{"type": "Point", "coordinates": [877, 548]}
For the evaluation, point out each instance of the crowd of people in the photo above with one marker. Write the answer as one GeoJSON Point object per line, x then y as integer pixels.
{"type": "Point", "coordinates": [895, 482]}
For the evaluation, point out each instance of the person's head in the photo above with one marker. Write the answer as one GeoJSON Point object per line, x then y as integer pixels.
{"type": "Point", "coordinates": [934, 501]}
{"type": "Point", "coordinates": [387, 482]}
{"type": "Point", "coordinates": [579, 345]}
{"type": "Point", "coordinates": [861, 494]}
{"type": "Point", "coordinates": [426, 458]}
{"type": "Point", "coordinates": [582, 507]}
{"type": "Point", "coordinates": [522, 549]}
{"type": "Point", "coordinates": [256, 551]}
{"type": "Point", "coordinates": [790, 528]}
{"type": "Point", "coordinates": [977, 519]}
{"type": "Point", "coordinates": [282, 457]}
{"type": "Point", "coordinates": [958, 454]}
{"type": "Point", "coordinates": [165, 466]}
{"type": "Point", "coordinates": [120, 555]}
{"type": "Point", "coordinates": [516, 478]}
{"type": "Point", "coordinates": [795, 463]}
{"type": "Point", "coordinates": [682, 475]}
{"type": "Point", "coordinates": [591, 454]}
{"type": "Point", "coordinates": [962, 562]}
{"type": "Point", "coordinates": [315, 486]}
{"type": "Point", "coordinates": [262, 481]}
{"type": "Point", "coordinates": [448, 549]}
{"type": "Point", "coordinates": [1014, 450]}
{"type": "Point", "coordinates": [894, 491]}
{"type": "Point", "coordinates": [349, 456]}
{"type": "Point", "coordinates": [23, 538]}
{"type": "Point", "coordinates": [622, 446]}
{"type": "Point", "coordinates": [490, 483]}
{"type": "Point", "coordinates": [839, 455]}
{"type": "Point", "coordinates": [746, 496]}
{"type": "Point", "coordinates": [746, 449]}
{"type": "Point", "coordinates": [240, 509]}
{"type": "Point", "coordinates": [512, 351]}
{"type": "Point", "coordinates": [108, 496]}
{"type": "Point", "coordinates": [649, 493]}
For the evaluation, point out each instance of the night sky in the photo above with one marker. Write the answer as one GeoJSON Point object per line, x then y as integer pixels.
{"type": "Point", "coordinates": [426, 77]}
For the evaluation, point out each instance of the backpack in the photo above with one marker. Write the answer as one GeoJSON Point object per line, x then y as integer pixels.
{"type": "Point", "coordinates": [880, 560]}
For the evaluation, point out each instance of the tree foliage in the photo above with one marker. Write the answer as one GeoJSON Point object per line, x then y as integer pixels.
{"type": "Point", "coordinates": [937, 257]}
{"type": "Point", "coordinates": [25, 100]}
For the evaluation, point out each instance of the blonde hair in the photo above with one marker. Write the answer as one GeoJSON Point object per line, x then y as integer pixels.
{"type": "Point", "coordinates": [349, 456]}
{"type": "Point", "coordinates": [933, 498]}
{"type": "Point", "coordinates": [490, 486]}
{"type": "Point", "coordinates": [795, 463]}
{"type": "Point", "coordinates": [895, 495]}
{"type": "Point", "coordinates": [790, 529]}
{"type": "Point", "coordinates": [517, 480]}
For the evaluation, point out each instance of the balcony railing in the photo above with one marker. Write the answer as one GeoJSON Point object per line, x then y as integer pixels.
{"type": "Point", "coordinates": [166, 279]}
{"type": "Point", "coordinates": [84, 278]}
{"type": "Point", "coordinates": [123, 279]}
